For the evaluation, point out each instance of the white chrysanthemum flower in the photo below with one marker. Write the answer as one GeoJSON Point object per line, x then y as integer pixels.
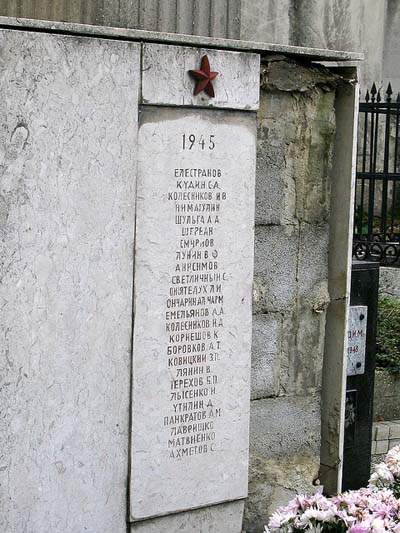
{"type": "Point", "coordinates": [393, 460]}
{"type": "Point", "coordinates": [384, 472]}
{"type": "Point", "coordinates": [280, 519]}
{"type": "Point", "coordinates": [378, 526]}
{"type": "Point", "coordinates": [374, 479]}
{"type": "Point", "coordinates": [306, 519]}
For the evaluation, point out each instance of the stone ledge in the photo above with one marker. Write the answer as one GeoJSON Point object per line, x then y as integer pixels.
{"type": "Point", "coordinates": [314, 54]}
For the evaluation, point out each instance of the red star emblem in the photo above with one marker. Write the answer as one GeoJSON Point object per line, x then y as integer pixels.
{"type": "Point", "coordinates": [204, 78]}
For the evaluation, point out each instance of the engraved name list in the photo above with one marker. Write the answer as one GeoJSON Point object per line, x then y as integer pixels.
{"type": "Point", "coordinates": [192, 326]}
{"type": "Point", "coordinates": [195, 307]}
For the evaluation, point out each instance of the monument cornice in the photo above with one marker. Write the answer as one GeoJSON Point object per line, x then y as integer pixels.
{"type": "Point", "coordinates": [88, 30]}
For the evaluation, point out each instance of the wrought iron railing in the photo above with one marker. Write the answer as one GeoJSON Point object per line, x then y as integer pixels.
{"type": "Point", "coordinates": [377, 196]}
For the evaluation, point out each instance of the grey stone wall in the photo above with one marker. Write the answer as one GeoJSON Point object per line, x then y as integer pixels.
{"type": "Point", "coordinates": [290, 283]}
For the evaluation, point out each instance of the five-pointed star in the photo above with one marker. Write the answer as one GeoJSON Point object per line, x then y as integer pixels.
{"type": "Point", "coordinates": [204, 78]}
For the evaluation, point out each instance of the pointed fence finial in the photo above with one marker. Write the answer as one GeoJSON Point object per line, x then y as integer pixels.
{"type": "Point", "coordinates": [389, 92]}
{"type": "Point", "coordinates": [378, 96]}
{"type": "Point", "coordinates": [367, 96]}
{"type": "Point", "coordinates": [373, 92]}
{"type": "Point", "coordinates": [398, 98]}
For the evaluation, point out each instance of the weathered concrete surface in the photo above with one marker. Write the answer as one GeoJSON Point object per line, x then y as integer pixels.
{"type": "Point", "coordinates": [266, 355]}
{"type": "Point", "coordinates": [67, 160]}
{"type": "Point", "coordinates": [387, 395]}
{"type": "Point", "coordinates": [312, 270]}
{"type": "Point", "coordinates": [293, 199]}
{"type": "Point", "coordinates": [293, 184]}
{"type": "Point", "coordinates": [294, 154]}
{"type": "Point", "coordinates": [275, 266]}
{"type": "Point", "coordinates": [284, 454]}
{"type": "Point", "coordinates": [341, 25]}
{"type": "Point", "coordinates": [303, 347]}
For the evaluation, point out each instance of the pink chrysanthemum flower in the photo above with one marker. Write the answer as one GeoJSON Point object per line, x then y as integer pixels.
{"type": "Point", "coordinates": [374, 509]}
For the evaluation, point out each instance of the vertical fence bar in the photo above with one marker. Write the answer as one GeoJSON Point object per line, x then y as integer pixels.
{"type": "Point", "coordinates": [371, 187]}
{"type": "Point", "coordinates": [395, 164]}
{"type": "Point", "coordinates": [374, 170]}
{"type": "Point", "coordinates": [384, 213]}
{"type": "Point", "coordinates": [364, 162]}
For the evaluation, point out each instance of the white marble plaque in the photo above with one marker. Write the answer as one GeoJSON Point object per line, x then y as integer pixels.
{"type": "Point", "coordinates": [192, 327]}
{"type": "Point", "coordinates": [356, 339]}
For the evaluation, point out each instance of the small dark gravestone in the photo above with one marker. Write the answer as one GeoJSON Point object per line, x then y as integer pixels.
{"type": "Point", "coordinates": [360, 374]}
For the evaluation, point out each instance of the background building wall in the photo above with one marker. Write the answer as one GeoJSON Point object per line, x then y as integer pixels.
{"type": "Point", "coordinates": [265, 20]}
{"type": "Point", "coordinates": [216, 18]}
{"type": "Point", "coordinates": [391, 53]}
{"type": "Point", "coordinates": [356, 25]}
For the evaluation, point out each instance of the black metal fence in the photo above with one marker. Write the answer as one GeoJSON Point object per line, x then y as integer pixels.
{"type": "Point", "coordinates": [377, 196]}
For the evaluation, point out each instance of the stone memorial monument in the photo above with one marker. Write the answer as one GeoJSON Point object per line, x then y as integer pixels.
{"type": "Point", "coordinates": [193, 279]}
{"type": "Point", "coordinates": [129, 218]}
